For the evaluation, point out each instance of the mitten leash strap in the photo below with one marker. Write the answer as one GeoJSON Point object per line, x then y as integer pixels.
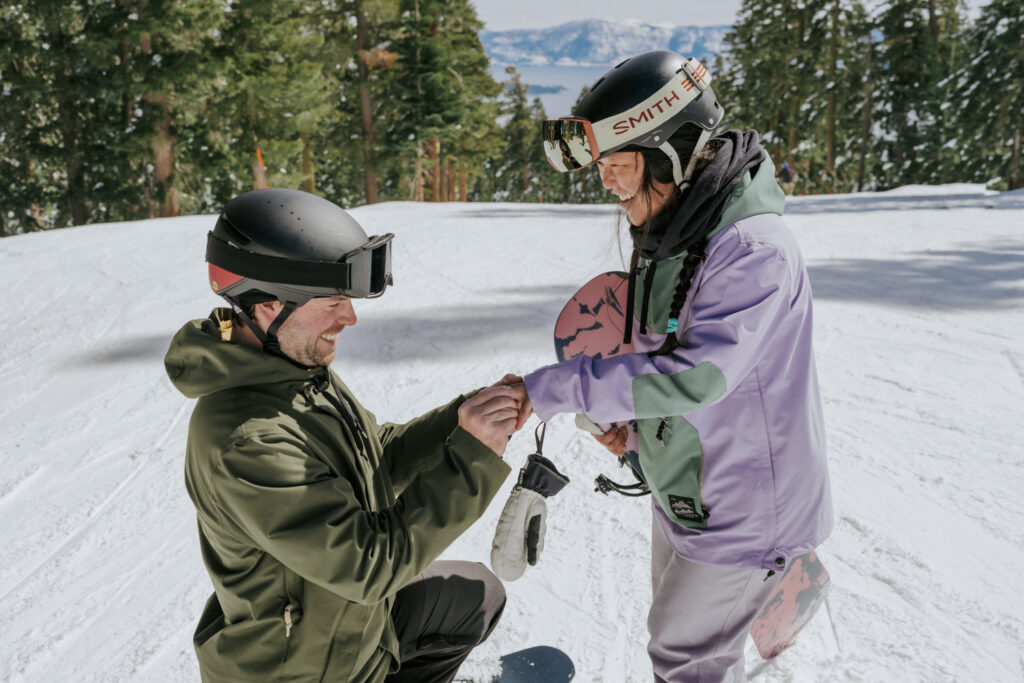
{"type": "Point", "coordinates": [540, 474]}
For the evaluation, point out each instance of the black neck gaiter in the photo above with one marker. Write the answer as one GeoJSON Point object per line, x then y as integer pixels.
{"type": "Point", "coordinates": [702, 204]}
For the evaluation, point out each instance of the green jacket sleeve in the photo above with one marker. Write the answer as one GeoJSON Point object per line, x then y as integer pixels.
{"type": "Point", "coordinates": [292, 507]}
{"type": "Point", "coordinates": [415, 446]}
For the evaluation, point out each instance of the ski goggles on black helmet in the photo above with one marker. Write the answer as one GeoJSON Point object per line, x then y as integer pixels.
{"type": "Point", "coordinates": [572, 143]}
{"type": "Point", "coordinates": [364, 272]}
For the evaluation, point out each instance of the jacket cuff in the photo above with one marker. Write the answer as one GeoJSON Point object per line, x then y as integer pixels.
{"type": "Point", "coordinates": [465, 444]}
{"type": "Point", "coordinates": [547, 392]}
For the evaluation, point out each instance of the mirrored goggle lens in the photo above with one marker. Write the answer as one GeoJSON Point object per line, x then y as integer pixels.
{"type": "Point", "coordinates": [569, 144]}
{"type": "Point", "coordinates": [370, 267]}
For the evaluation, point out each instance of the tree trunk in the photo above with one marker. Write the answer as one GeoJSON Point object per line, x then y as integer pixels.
{"type": "Point", "coordinates": [163, 159]}
{"type": "Point", "coordinates": [442, 179]}
{"type": "Point", "coordinates": [1016, 179]}
{"type": "Point", "coordinates": [365, 105]}
{"type": "Point", "coordinates": [68, 116]}
{"type": "Point", "coordinates": [933, 24]}
{"type": "Point", "coordinates": [830, 124]}
{"type": "Point", "coordinates": [259, 173]}
{"type": "Point", "coordinates": [308, 175]}
{"type": "Point", "coordinates": [433, 154]}
{"type": "Point", "coordinates": [865, 130]}
{"type": "Point", "coordinates": [416, 188]}
{"type": "Point", "coordinates": [126, 103]}
{"type": "Point", "coordinates": [463, 181]}
{"type": "Point", "coordinates": [453, 177]}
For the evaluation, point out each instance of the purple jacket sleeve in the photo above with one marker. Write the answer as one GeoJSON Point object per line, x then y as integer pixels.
{"type": "Point", "coordinates": [744, 292]}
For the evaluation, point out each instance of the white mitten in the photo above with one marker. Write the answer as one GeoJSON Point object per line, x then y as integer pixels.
{"type": "Point", "coordinates": [519, 537]}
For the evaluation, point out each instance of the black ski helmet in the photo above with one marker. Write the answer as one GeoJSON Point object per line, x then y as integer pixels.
{"type": "Point", "coordinates": [292, 246]}
{"type": "Point", "coordinates": [656, 100]}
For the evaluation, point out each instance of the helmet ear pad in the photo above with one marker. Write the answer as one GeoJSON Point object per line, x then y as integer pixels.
{"type": "Point", "coordinates": [683, 140]}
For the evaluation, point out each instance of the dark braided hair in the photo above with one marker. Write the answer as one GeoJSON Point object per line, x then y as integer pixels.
{"type": "Point", "coordinates": [658, 167]}
{"type": "Point", "coordinates": [691, 263]}
{"type": "Point", "coordinates": [696, 253]}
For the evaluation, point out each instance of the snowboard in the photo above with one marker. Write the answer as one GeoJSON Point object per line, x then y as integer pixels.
{"type": "Point", "coordinates": [540, 664]}
{"type": "Point", "coordinates": [593, 323]}
{"type": "Point", "coordinates": [800, 593]}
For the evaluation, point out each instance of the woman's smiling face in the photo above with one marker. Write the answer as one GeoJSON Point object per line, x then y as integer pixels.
{"type": "Point", "coordinates": [622, 173]}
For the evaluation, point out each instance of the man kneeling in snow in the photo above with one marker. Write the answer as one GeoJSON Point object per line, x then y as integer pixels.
{"type": "Point", "coordinates": [318, 526]}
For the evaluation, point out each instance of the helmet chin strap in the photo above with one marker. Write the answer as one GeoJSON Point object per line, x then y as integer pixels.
{"type": "Point", "coordinates": [269, 338]}
{"type": "Point", "coordinates": [680, 176]}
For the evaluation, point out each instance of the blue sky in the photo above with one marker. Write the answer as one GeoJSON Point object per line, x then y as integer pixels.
{"type": "Point", "coordinates": [501, 15]}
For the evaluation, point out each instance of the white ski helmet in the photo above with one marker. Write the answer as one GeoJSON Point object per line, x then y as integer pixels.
{"type": "Point", "coordinates": [651, 101]}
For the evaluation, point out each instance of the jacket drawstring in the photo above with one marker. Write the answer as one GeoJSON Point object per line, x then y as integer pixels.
{"type": "Point", "coordinates": [627, 337]}
{"type": "Point", "coordinates": [646, 307]}
{"type": "Point", "coordinates": [288, 623]}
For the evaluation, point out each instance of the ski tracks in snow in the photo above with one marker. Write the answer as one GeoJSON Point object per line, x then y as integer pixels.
{"type": "Point", "coordinates": [923, 391]}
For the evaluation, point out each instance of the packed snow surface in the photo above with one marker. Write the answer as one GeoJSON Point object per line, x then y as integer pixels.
{"type": "Point", "coordinates": [919, 327]}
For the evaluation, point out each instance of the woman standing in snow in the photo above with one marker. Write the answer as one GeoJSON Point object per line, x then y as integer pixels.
{"type": "Point", "coordinates": [721, 391]}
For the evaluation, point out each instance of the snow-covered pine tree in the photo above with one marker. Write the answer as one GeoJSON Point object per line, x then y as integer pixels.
{"type": "Point", "coordinates": [438, 88]}
{"type": "Point", "coordinates": [271, 95]}
{"type": "Point", "coordinates": [57, 118]}
{"type": "Point", "coordinates": [914, 57]}
{"type": "Point", "coordinates": [991, 86]}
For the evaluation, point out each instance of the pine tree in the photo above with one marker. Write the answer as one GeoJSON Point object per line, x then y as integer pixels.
{"type": "Point", "coordinates": [24, 192]}
{"type": "Point", "coordinates": [439, 82]}
{"type": "Point", "coordinates": [795, 72]}
{"type": "Point", "coordinates": [764, 78]}
{"type": "Point", "coordinates": [991, 87]}
{"type": "Point", "coordinates": [917, 48]}
{"type": "Point", "coordinates": [269, 99]}
{"type": "Point", "coordinates": [356, 63]}
{"type": "Point", "coordinates": [521, 141]}
{"type": "Point", "coordinates": [162, 77]}
{"type": "Point", "coordinates": [59, 127]}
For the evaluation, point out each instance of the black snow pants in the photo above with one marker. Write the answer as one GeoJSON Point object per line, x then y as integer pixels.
{"type": "Point", "coordinates": [440, 616]}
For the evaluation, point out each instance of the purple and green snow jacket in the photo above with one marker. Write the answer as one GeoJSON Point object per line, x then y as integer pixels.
{"type": "Point", "coordinates": [730, 432]}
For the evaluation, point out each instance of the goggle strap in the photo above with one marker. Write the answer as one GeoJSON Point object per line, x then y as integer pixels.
{"type": "Point", "coordinates": [281, 270]}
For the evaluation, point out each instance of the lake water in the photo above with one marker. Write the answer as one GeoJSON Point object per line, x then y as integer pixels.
{"type": "Point", "coordinates": [556, 86]}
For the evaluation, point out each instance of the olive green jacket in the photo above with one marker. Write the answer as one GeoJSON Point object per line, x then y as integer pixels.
{"type": "Point", "coordinates": [309, 520]}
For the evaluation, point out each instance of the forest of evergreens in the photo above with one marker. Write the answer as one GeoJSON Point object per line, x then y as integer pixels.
{"type": "Point", "coordinates": [125, 109]}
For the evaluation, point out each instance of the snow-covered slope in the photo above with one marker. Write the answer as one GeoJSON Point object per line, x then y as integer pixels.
{"type": "Point", "coordinates": [920, 313]}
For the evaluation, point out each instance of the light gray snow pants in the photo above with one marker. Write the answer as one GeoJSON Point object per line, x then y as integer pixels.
{"type": "Point", "coordinates": [700, 616]}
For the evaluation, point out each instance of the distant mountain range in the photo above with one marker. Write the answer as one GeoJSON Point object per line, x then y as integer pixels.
{"type": "Point", "coordinates": [595, 42]}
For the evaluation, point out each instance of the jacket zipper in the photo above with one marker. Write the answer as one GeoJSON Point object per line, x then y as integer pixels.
{"type": "Point", "coordinates": [288, 620]}
{"type": "Point", "coordinates": [660, 436]}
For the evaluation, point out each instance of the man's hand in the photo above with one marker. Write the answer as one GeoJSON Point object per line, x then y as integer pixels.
{"type": "Point", "coordinates": [491, 416]}
{"type": "Point", "coordinates": [614, 440]}
{"type": "Point", "coordinates": [525, 409]}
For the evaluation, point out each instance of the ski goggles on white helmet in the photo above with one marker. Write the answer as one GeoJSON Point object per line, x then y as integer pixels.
{"type": "Point", "coordinates": [572, 143]}
{"type": "Point", "coordinates": [364, 272]}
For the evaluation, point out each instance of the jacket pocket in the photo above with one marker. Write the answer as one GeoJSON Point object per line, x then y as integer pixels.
{"type": "Point", "coordinates": [672, 459]}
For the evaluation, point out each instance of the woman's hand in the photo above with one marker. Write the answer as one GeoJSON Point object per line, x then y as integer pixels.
{"type": "Point", "coordinates": [614, 440]}
{"type": "Point", "coordinates": [525, 409]}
